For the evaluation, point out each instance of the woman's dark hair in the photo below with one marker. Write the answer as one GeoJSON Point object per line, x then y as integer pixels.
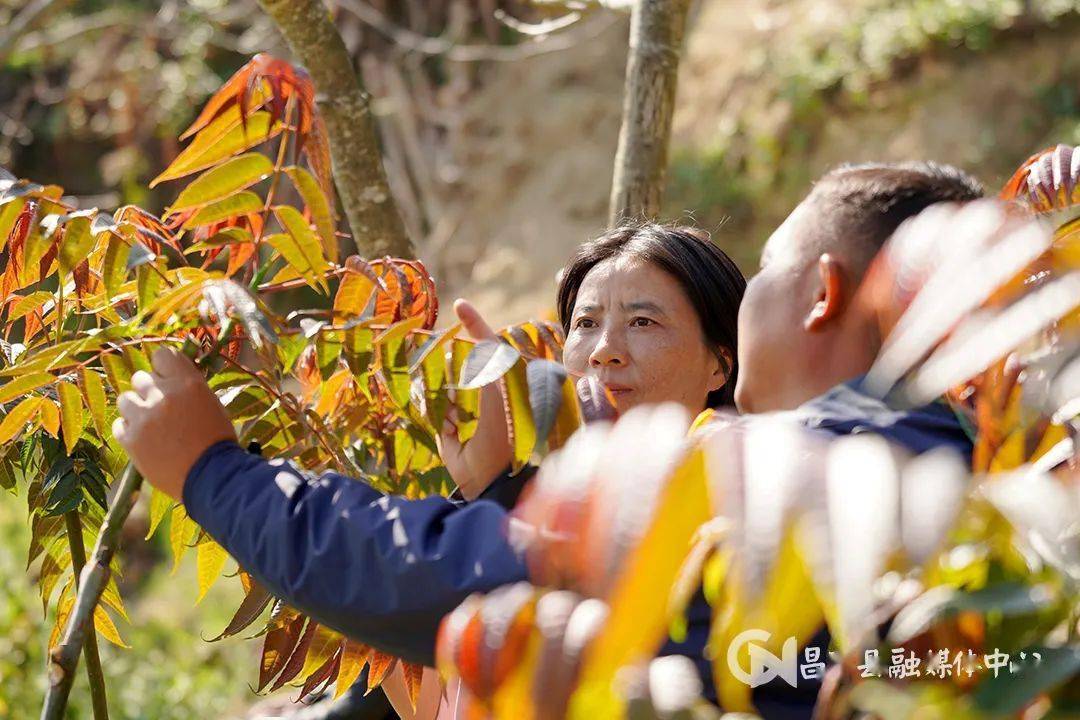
{"type": "Point", "coordinates": [710, 279]}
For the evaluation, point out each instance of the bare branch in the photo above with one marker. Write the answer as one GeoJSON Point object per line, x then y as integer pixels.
{"type": "Point", "coordinates": [26, 19]}
{"type": "Point", "coordinates": [443, 47]}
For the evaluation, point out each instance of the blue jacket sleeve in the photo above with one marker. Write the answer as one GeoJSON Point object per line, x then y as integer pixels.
{"type": "Point", "coordinates": [380, 569]}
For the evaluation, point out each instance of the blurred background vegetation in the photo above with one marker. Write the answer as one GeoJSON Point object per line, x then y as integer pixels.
{"type": "Point", "coordinates": [499, 148]}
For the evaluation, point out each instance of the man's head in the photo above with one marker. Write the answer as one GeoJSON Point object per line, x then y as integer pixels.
{"type": "Point", "coordinates": [799, 334]}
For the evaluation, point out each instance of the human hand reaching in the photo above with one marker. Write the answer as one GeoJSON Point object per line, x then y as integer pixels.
{"type": "Point", "coordinates": [487, 453]}
{"type": "Point", "coordinates": [168, 419]}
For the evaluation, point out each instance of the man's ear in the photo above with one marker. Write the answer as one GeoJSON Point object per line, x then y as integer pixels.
{"type": "Point", "coordinates": [830, 298]}
{"type": "Point", "coordinates": [722, 373]}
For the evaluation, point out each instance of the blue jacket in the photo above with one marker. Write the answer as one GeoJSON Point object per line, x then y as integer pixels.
{"type": "Point", "coordinates": [385, 570]}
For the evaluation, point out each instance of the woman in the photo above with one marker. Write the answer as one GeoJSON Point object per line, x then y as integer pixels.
{"type": "Point", "coordinates": [649, 310]}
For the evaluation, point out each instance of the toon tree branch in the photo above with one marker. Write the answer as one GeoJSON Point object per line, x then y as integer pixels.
{"type": "Point", "coordinates": [94, 674]}
{"type": "Point", "coordinates": [374, 220]}
{"type": "Point", "coordinates": [64, 658]}
{"type": "Point", "coordinates": [656, 32]}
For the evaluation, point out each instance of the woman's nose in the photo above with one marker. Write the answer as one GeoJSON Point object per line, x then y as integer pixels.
{"type": "Point", "coordinates": [608, 351]}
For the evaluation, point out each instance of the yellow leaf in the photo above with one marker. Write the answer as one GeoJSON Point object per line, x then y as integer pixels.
{"type": "Point", "coordinates": [638, 618]}
{"type": "Point", "coordinates": [14, 422]}
{"type": "Point", "coordinates": [23, 385]}
{"type": "Point", "coordinates": [49, 417]}
{"type": "Point", "coordinates": [9, 213]}
{"type": "Point", "coordinates": [181, 529]}
{"type": "Point", "coordinates": [117, 371]}
{"type": "Point", "coordinates": [94, 392]}
{"type": "Point", "coordinates": [222, 138]}
{"type": "Point", "coordinates": [209, 559]}
{"type": "Point", "coordinates": [71, 414]}
{"type": "Point", "coordinates": [238, 204]}
{"type": "Point", "coordinates": [160, 504]}
{"type": "Point", "coordinates": [515, 392]}
{"type": "Point", "coordinates": [76, 245]}
{"type": "Point", "coordinates": [353, 658]}
{"type": "Point", "coordinates": [325, 643]}
{"type": "Point", "coordinates": [105, 627]}
{"type": "Point", "coordinates": [299, 245]}
{"type": "Point", "coordinates": [27, 304]}
{"type": "Point", "coordinates": [353, 294]}
{"type": "Point", "coordinates": [319, 206]}
{"type": "Point", "coordinates": [224, 180]}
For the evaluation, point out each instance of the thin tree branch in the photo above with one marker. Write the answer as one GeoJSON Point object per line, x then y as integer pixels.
{"type": "Point", "coordinates": [446, 48]}
{"type": "Point", "coordinates": [64, 658]}
{"type": "Point", "coordinates": [374, 221]}
{"type": "Point", "coordinates": [656, 32]}
{"type": "Point", "coordinates": [94, 674]}
{"type": "Point", "coordinates": [29, 16]}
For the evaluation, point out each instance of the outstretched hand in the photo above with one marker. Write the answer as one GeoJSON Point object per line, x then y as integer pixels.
{"type": "Point", "coordinates": [487, 453]}
{"type": "Point", "coordinates": [168, 419]}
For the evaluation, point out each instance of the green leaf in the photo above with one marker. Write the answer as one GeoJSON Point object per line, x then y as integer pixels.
{"type": "Point", "coordinates": [76, 245]}
{"type": "Point", "coordinates": [238, 204]}
{"type": "Point", "coordinates": [546, 379]}
{"type": "Point", "coordinates": [1010, 692]}
{"type": "Point", "coordinates": [318, 206]}
{"type": "Point", "coordinates": [222, 138]}
{"type": "Point", "coordinates": [299, 245]}
{"type": "Point", "coordinates": [71, 414]}
{"type": "Point", "coordinates": [114, 269]}
{"type": "Point", "coordinates": [224, 180]}
{"type": "Point", "coordinates": [487, 362]}
{"type": "Point", "coordinates": [21, 386]}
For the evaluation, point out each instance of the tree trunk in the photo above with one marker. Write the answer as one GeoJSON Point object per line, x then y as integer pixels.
{"type": "Point", "coordinates": [656, 32]}
{"type": "Point", "coordinates": [374, 221]}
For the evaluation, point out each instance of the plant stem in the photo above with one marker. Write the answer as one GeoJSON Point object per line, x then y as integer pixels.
{"type": "Point", "coordinates": [94, 674]}
{"type": "Point", "coordinates": [64, 658]}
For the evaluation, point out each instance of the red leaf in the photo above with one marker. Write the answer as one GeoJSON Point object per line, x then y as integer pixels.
{"type": "Point", "coordinates": [296, 660]}
{"type": "Point", "coordinates": [278, 648]}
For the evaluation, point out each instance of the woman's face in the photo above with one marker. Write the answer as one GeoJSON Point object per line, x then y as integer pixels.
{"type": "Point", "coordinates": [635, 330]}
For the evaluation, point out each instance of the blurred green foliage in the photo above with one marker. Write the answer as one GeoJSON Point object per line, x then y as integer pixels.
{"type": "Point", "coordinates": [170, 675]}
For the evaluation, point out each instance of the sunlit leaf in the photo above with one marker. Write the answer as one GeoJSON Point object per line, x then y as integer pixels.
{"type": "Point", "coordinates": [522, 430]}
{"type": "Point", "coordinates": [486, 363]}
{"type": "Point", "coordinates": [353, 658]}
{"type": "Point", "coordinates": [318, 206]}
{"type": "Point", "coordinates": [106, 628]}
{"type": "Point", "coordinates": [209, 560]}
{"type": "Point", "coordinates": [71, 413]}
{"type": "Point", "coordinates": [22, 385]}
{"type": "Point", "coordinates": [221, 139]}
{"type": "Point", "coordinates": [224, 180]}
{"type": "Point", "coordinates": [230, 207]}
{"type": "Point", "coordinates": [299, 244]}
{"type": "Point", "coordinates": [160, 505]}
{"type": "Point", "coordinates": [93, 390]}
{"type": "Point", "coordinates": [115, 268]}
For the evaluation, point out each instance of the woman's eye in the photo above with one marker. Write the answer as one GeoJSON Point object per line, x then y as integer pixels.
{"type": "Point", "coordinates": [585, 323]}
{"type": "Point", "coordinates": [641, 322]}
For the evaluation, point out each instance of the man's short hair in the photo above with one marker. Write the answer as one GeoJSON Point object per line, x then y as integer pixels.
{"type": "Point", "coordinates": [860, 206]}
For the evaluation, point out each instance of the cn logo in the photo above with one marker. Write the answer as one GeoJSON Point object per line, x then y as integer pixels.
{"type": "Point", "coordinates": [764, 666]}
